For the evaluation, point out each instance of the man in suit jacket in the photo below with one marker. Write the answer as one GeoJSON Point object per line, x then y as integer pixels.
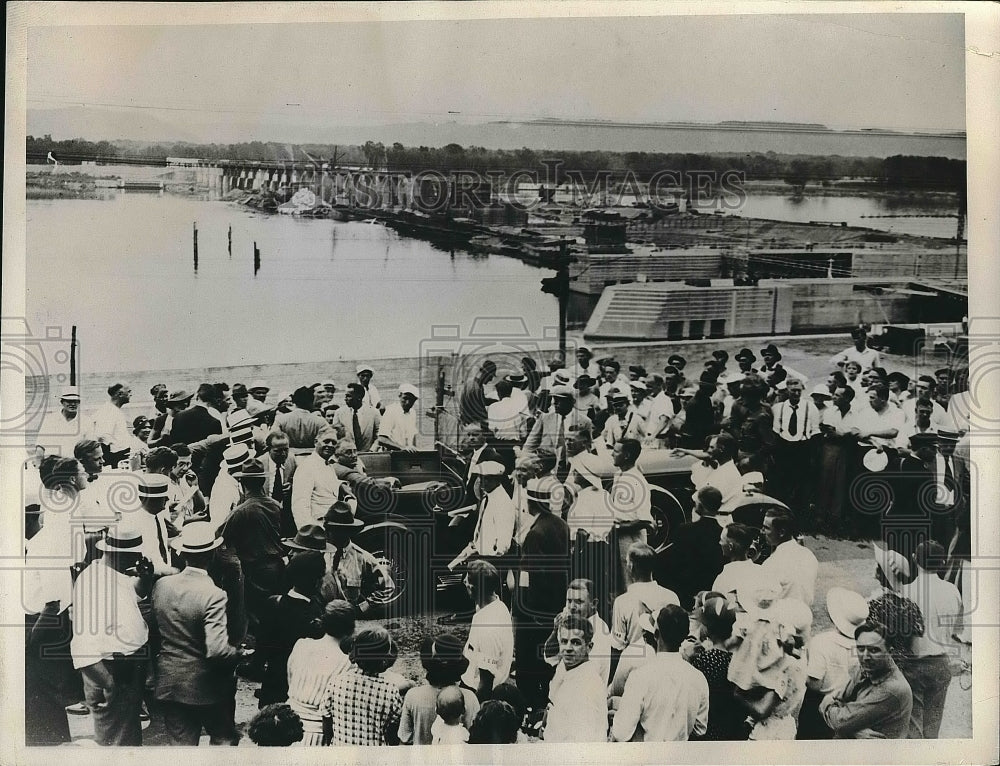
{"type": "Point", "coordinates": [694, 559]}
{"type": "Point", "coordinates": [358, 421]}
{"type": "Point", "coordinates": [277, 461]}
{"type": "Point", "coordinates": [196, 422]}
{"type": "Point", "coordinates": [195, 667]}
{"type": "Point", "coordinates": [549, 434]}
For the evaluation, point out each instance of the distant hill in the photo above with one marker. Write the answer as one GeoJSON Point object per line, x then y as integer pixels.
{"type": "Point", "coordinates": [96, 123]}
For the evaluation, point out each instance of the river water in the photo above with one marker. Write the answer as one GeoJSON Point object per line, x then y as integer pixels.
{"type": "Point", "coordinates": [122, 270]}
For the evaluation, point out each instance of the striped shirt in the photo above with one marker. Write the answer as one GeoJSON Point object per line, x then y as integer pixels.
{"type": "Point", "coordinates": [312, 665]}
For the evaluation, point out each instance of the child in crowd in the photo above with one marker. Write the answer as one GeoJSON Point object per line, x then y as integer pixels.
{"type": "Point", "coordinates": [448, 728]}
{"type": "Point", "coordinates": [275, 726]}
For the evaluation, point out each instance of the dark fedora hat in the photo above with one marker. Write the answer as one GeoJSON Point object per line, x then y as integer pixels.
{"type": "Point", "coordinates": [770, 350]}
{"type": "Point", "coordinates": [252, 469]}
{"type": "Point", "coordinates": [310, 537]}
{"type": "Point", "coordinates": [745, 354]}
{"type": "Point", "coordinates": [340, 515]}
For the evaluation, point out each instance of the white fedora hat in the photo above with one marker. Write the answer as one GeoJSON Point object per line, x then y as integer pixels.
{"type": "Point", "coordinates": [847, 609]}
{"type": "Point", "coordinates": [196, 537]}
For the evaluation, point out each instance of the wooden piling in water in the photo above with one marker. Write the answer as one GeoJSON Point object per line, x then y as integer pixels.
{"type": "Point", "coordinates": [256, 259]}
{"type": "Point", "coordinates": [230, 241]}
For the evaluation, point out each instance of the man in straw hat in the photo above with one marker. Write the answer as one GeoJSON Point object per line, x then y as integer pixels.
{"type": "Point", "coordinates": [542, 579]}
{"type": "Point", "coordinates": [831, 657]}
{"type": "Point", "coordinates": [256, 403]}
{"type": "Point", "coordinates": [352, 573]}
{"type": "Point", "coordinates": [226, 490]}
{"type": "Point", "coordinates": [548, 435]}
{"type": "Point", "coordinates": [252, 532]}
{"type": "Point", "coordinates": [151, 522]}
{"type": "Point", "coordinates": [109, 644]}
{"type": "Point", "coordinates": [62, 428]}
{"type": "Point", "coordinates": [195, 684]}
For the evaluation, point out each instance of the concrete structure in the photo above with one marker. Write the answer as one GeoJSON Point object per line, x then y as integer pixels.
{"type": "Point", "coordinates": [675, 311]}
{"type": "Point", "coordinates": [592, 272]}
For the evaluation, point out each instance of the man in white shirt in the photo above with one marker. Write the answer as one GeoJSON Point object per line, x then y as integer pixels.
{"type": "Point", "coordinates": [578, 709]}
{"type": "Point", "coordinates": [880, 423]}
{"type": "Point", "coordinates": [859, 352]}
{"type": "Point", "coordinates": [61, 429]}
{"type": "Point", "coordinates": [632, 500]}
{"type": "Point", "coordinates": [316, 486]}
{"type": "Point", "coordinates": [791, 563]}
{"type": "Point", "coordinates": [661, 411]}
{"type": "Point", "coordinates": [226, 493]}
{"type": "Point", "coordinates": [109, 639]}
{"type": "Point", "coordinates": [490, 646]}
{"type": "Point", "coordinates": [497, 515]}
{"type": "Point", "coordinates": [372, 396]}
{"type": "Point", "coordinates": [796, 421]}
{"type": "Point", "coordinates": [110, 427]}
{"type": "Point", "coordinates": [925, 393]}
{"type": "Point", "coordinates": [507, 418]}
{"type": "Point", "coordinates": [735, 542]}
{"type": "Point", "coordinates": [667, 699]}
{"type": "Point", "coordinates": [643, 596]}
{"type": "Point", "coordinates": [398, 429]}
{"type": "Point", "coordinates": [582, 602]}
{"type": "Point", "coordinates": [151, 522]}
{"type": "Point", "coordinates": [927, 670]}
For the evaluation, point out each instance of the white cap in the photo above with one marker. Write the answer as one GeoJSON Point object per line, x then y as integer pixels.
{"type": "Point", "coordinates": [406, 388]}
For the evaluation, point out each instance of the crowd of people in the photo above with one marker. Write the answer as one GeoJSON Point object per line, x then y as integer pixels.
{"type": "Point", "coordinates": [215, 536]}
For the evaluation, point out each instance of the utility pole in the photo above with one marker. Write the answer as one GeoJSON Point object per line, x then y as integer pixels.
{"type": "Point", "coordinates": [558, 286]}
{"type": "Point", "coordinates": [72, 357]}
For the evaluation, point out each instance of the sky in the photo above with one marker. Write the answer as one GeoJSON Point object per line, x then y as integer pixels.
{"type": "Point", "coordinates": [899, 71]}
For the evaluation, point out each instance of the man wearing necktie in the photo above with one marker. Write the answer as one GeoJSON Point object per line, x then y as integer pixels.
{"type": "Point", "coordinates": [358, 420]}
{"type": "Point", "coordinates": [151, 522]}
{"type": "Point", "coordinates": [795, 422]}
{"type": "Point", "coordinates": [547, 439]}
{"type": "Point", "coordinates": [280, 466]}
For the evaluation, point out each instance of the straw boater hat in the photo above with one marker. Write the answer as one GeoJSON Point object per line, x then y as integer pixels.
{"type": "Point", "coordinates": [153, 485]}
{"type": "Point", "coordinates": [196, 537]}
{"type": "Point", "coordinates": [310, 537]}
{"type": "Point", "coordinates": [561, 390]}
{"type": "Point", "coordinates": [948, 436]}
{"type": "Point", "coordinates": [547, 490]}
{"type": "Point", "coordinates": [587, 465]}
{"type": "Point", "coordinates": [179, 397]}
{"type": "Point", "coordinates": [875, 460]}
{"type": "Point", "coordinates": [561, 378]}
{"type": "Point", "coordinates": [258, 385]}
{"type": "Point", "coordinates": [847, 609]}
{"type": "Point", "coordinates": [121, 541]}
{"type": "Point", "coordinates": [488, 468]}
{"type": "Point", "coordinates": [70, 394]}
{"type": "Point", "coordinates": [885, 558]}
{"type": "Point", "coordinates": [516, 379]}
{"type": "Point", "coordinates": [339, 516]}
{"type": "Point", "coordinates": [236, 455]}
{"type": "Point", "coordinates": [821, 391]}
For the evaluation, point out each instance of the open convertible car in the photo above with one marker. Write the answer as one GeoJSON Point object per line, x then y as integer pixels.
{"type": "Point", "coordinates": [418, 529]}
